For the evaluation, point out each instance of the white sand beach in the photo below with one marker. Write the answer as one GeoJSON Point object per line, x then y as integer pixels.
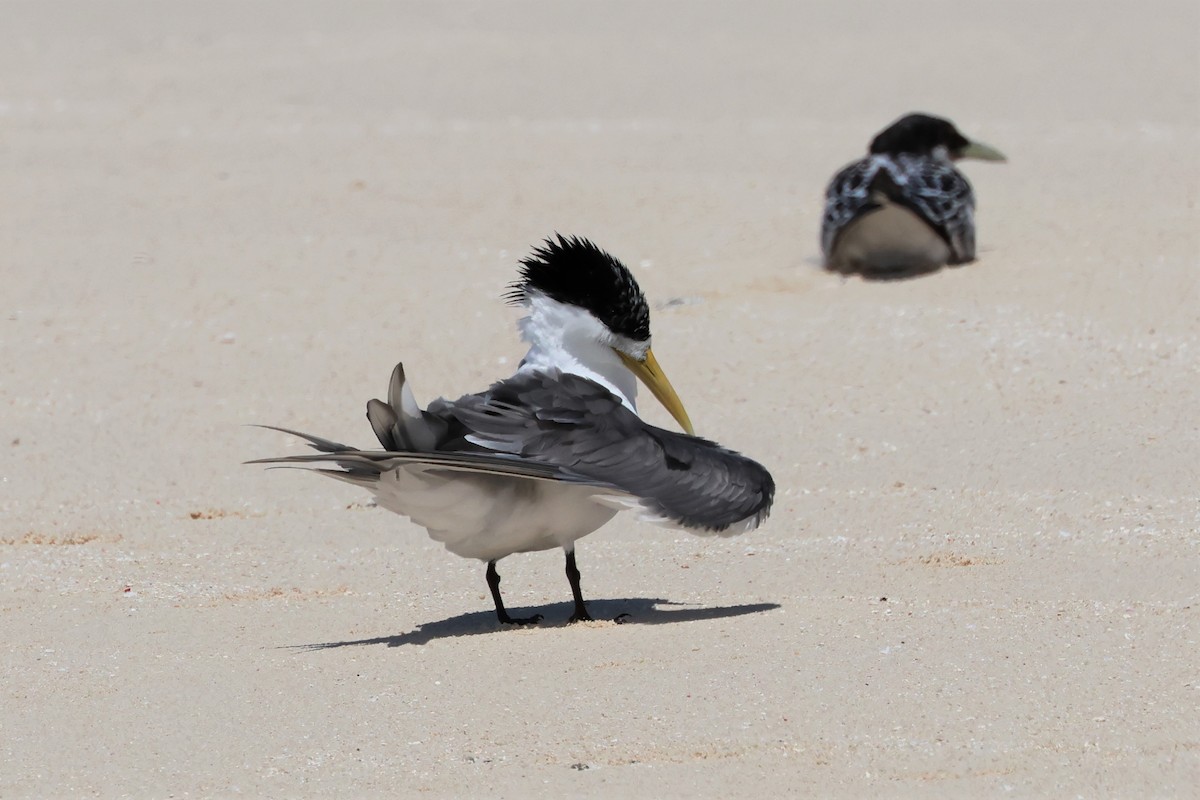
{"type": "Point", "coordinates": [981, 576]}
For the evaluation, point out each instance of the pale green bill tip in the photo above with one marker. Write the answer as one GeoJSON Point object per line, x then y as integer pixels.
{"type": "Point", "coordinates": [983, 152]}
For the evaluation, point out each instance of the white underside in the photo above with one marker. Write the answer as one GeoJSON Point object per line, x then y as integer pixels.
{"type": "Point", "coordinates": [490, 516]}
{"type": "Point", "coordinates": [891, 238]}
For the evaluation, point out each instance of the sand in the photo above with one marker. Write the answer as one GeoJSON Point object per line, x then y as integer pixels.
{"type": "Point", "coordinates": [981, 575]}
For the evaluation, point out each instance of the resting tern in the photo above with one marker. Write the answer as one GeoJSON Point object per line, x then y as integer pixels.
{"type": "Point", "coordinates": [552, 453]}
{"type": "Point", "coordinates": [904, 209]}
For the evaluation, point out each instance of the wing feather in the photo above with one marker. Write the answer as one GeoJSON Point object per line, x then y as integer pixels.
{"type": "Point", "coordinates": [939, 194]}
{"type": "Point", "coordinates": [582, 429]}
{"type": "Point", "coordinates": [846, 198]}
{"type": "Point", "coordinates": [554, 426]}
{"type": "Point", "coordinates": [933, 189]}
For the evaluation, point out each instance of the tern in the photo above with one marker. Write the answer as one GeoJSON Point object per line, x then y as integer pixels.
{"type": "Point", "coordinates": [547, 456]}
{"type": "Point", "coordinates": [904, 209]}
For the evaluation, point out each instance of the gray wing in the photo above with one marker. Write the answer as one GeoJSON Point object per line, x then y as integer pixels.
{"type": "Point", "coordinates": [363, 466]}
{"type": "Point", "coordinates": [582, 429]}
{"type": "Point", "coordinates": [560, 427]}
{"type": "Point", "coordinates": [846, 198]}
{"type": "Point", "coordinates": [939, 194]}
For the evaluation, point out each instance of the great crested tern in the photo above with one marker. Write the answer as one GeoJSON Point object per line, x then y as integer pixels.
{"type": "Point", "coordinates": [904, 209]}
{"type": "Point", "coordinates": [547, 456]}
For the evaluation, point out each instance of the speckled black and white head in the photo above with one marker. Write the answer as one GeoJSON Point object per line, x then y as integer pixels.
{"type": "Point", "coordinates": [588, 316]}
{"type": "Point", "coordinates": [926, 135]}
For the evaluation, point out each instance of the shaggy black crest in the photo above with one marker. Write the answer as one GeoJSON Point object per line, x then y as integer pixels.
{"type": "Point", "coordinates": [575, 271]}
{"type": "Point", "coordinates": [918, 134]}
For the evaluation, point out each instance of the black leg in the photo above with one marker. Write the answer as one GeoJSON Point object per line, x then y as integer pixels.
{"type": "Point", "coordinates": [493, 581]}
{"type": "Point", "coordinates": [581, 613]}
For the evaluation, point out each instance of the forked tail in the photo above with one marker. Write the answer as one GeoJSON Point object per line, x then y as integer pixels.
{"type": "Point", "coordinates": [400, 424]}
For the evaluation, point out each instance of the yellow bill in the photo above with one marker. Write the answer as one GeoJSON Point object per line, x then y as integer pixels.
{"type": "Point", "coordinates": [651, 374]}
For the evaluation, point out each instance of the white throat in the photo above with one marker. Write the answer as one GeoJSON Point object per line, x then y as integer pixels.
{"type": "Point", "coordinates": [570, 339]}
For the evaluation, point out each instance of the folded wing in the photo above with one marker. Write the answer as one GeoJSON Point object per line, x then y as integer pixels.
{"type": "Point", "coordinates": [583, 430]}
{"type": "Point", "coordinates": [935, 191]}
{"type": "Point", "coordinates": [552, 426]}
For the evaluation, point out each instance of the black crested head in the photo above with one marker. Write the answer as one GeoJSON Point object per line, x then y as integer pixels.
{"type": "Point", "coordinates": [919, 134]}
{"type": "Point", "coordinates": [576, 272]}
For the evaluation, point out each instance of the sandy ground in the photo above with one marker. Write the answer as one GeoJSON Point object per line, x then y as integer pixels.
{"type": "Point", "coordinates": [982, 574]}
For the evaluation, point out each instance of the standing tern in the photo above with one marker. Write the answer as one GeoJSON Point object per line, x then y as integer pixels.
{"type": "Point", "coordinates": [904, 209]}
{"type": "Point", "coordinates": [547, 456]}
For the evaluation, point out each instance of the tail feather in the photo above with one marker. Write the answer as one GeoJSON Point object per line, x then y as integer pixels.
{"type": "Point", "coordinates": [373, 463]}
{"type": "Point", "coordinates": [386, 425]}
{"type": "Point", "coordinates": [401, 424]}
{"type": "Point", "coordinates": [315, 442]}
{"type": "Point", "coordinates": [366, 480]}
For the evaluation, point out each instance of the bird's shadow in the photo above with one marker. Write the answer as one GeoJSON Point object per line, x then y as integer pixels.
{"type": "Point", "coordinates": [633, 611]}
{"type": "Point", "coordinates": [897, 275]}
{"type": "Point", "coordinates": [892, 275]}
{"type": "Point", "coordinates": [819, 264]}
